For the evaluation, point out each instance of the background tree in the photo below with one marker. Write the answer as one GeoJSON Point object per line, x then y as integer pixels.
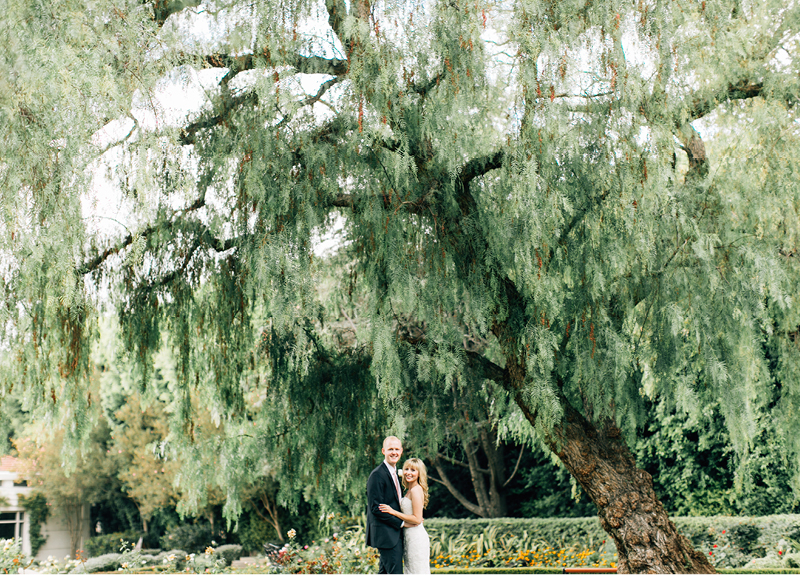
{"type": "Point", "coordinates": [71, 481]}
{"type": "Point", "coordinates": [535, 171]}
{"type": "Point", "coordinates": [146, 478]}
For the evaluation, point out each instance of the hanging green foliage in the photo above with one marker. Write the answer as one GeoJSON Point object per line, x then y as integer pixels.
{"type": "Point", "coordinates": [605, 193]}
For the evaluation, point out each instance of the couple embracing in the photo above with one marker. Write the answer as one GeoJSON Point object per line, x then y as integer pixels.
{"type": "Point", "coordinates": [394, 521]}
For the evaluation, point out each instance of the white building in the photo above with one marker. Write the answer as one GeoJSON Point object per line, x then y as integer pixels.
{"type": "Point", "coordinates": [14, 521]}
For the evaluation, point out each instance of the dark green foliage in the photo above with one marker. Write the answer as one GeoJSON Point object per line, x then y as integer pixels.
{"type": "Point", "coordinates": [696, 471]}
{"type": "Point", "coordinates": [38, 511]}
{"type": "Point", "coordinates": [229, 552]}
{"type": "Point", "coordinates": [192, 537]}
{"type": "Point", "coordinates": [540, 488]}
{"type": "Point", "coordinates": [545, 490]}
{"type": "Point", "coordinates": [254, 533]}
{"type": "Point", "coordinates": [116, 513]}
{"type": "Point", "coordinates": [110, 543]}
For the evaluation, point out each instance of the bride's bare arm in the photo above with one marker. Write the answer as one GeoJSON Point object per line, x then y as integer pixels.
{"type": "Point", "coordinates": [416, 506]}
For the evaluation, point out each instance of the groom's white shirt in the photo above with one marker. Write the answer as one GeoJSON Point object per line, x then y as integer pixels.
{"type": "Point", "coordinates": [393, 471]}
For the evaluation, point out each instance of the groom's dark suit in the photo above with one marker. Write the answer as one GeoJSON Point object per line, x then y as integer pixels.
{"type": "Point", "coordinates": [384, 531]}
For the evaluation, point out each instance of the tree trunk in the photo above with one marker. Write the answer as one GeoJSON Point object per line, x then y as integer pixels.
{"type": "Point", "coordinates": [647, 541]}
{"type": "Point", "coordinates": [600, 461]}
{"type": "Point", "coordinates": [495, 462]}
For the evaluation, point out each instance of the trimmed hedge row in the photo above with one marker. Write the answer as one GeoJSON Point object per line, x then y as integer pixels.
{"type": "Point", "coordinates": [760, 543]}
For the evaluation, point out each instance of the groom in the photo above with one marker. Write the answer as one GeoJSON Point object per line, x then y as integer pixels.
{"type": "Point", "coordinates": [385, 531]}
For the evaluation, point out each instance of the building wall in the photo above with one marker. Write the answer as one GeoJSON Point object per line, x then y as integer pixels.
{"type": "Point", "coordinates": [58, 537]}
{"type": "Point", "coordinates": [55, 529]}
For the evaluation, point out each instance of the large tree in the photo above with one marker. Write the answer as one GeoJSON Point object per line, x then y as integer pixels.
{"type": "Point", "coordinates": [547, 175]}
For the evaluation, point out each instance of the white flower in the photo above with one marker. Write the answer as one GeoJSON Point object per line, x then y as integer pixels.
{"type": "Point", "coordinates": [292, 534]}
{"type": "Point", "coordinates": [209, 551]}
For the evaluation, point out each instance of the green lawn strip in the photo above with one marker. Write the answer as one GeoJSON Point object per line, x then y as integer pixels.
{"type": "Point", "coordinates": [757, 571]}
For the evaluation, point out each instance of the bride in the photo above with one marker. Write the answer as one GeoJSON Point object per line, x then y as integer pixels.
{"type": "Point", "coordinates": [416, 550]}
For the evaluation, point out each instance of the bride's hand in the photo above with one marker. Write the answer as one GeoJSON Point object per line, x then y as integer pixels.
{"type": "Point", "coordinates": [386, 509]}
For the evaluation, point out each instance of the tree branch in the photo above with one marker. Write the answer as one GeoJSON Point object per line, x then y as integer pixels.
{"type": "Point", "coordinates": [310, 100]}
{"type": "Point", "coordinates": [163, 9]}
{"type": "Point", "coordinates": [459, 463]}
{"type": "Point", "coordinates": [516, 467]}
{"type": "Point", "coordinates": [454, 491]}
{"type": "Point", "coordinates": [479, 166]}
{"type": "Point", "coordinates": [695, 149]}
{"type": "Point", "coordinates": [743, 90]}
{"type": "Point", "coordinates": [337, 13]}
{"type": "Point", "coordinates": [303, 64]}
{"type": "Point", "coordinates": [100, 258]}
{"type": "Point", "coordinates": [188, 134]}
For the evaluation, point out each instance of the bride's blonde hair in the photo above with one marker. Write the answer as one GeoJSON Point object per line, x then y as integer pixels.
{"type": "Point", "coordinates": [416, 463]}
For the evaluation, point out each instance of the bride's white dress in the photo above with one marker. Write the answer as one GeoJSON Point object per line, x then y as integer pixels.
{"type": "Point", "coordinates": [416, 554]}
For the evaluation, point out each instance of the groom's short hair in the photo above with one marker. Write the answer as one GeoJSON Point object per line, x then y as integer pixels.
{"type": "Point", "coordinates": [385, 441]}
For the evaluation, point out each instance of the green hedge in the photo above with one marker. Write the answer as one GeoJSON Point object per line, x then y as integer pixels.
{"type": "Point", "coordinates": [760, 543]}
{"type": "Point", "coordinates": [556, 532]}
{"type": "Point", "coordinates": [110, 543]}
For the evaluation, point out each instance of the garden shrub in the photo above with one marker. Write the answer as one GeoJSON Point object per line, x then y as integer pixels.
{"type": "Point", "coordinates": [177, 554]}
{"type": "Point", "coordinates": [110, 543]}
{"type": "Point", "coordinates": [229, 553]}
{"type": "Point", "coordinates": [193, 537]}
{"type": "Point", "coordinates": [107, 562]}
{"type": "Point", "coordinates": [11, 557]}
